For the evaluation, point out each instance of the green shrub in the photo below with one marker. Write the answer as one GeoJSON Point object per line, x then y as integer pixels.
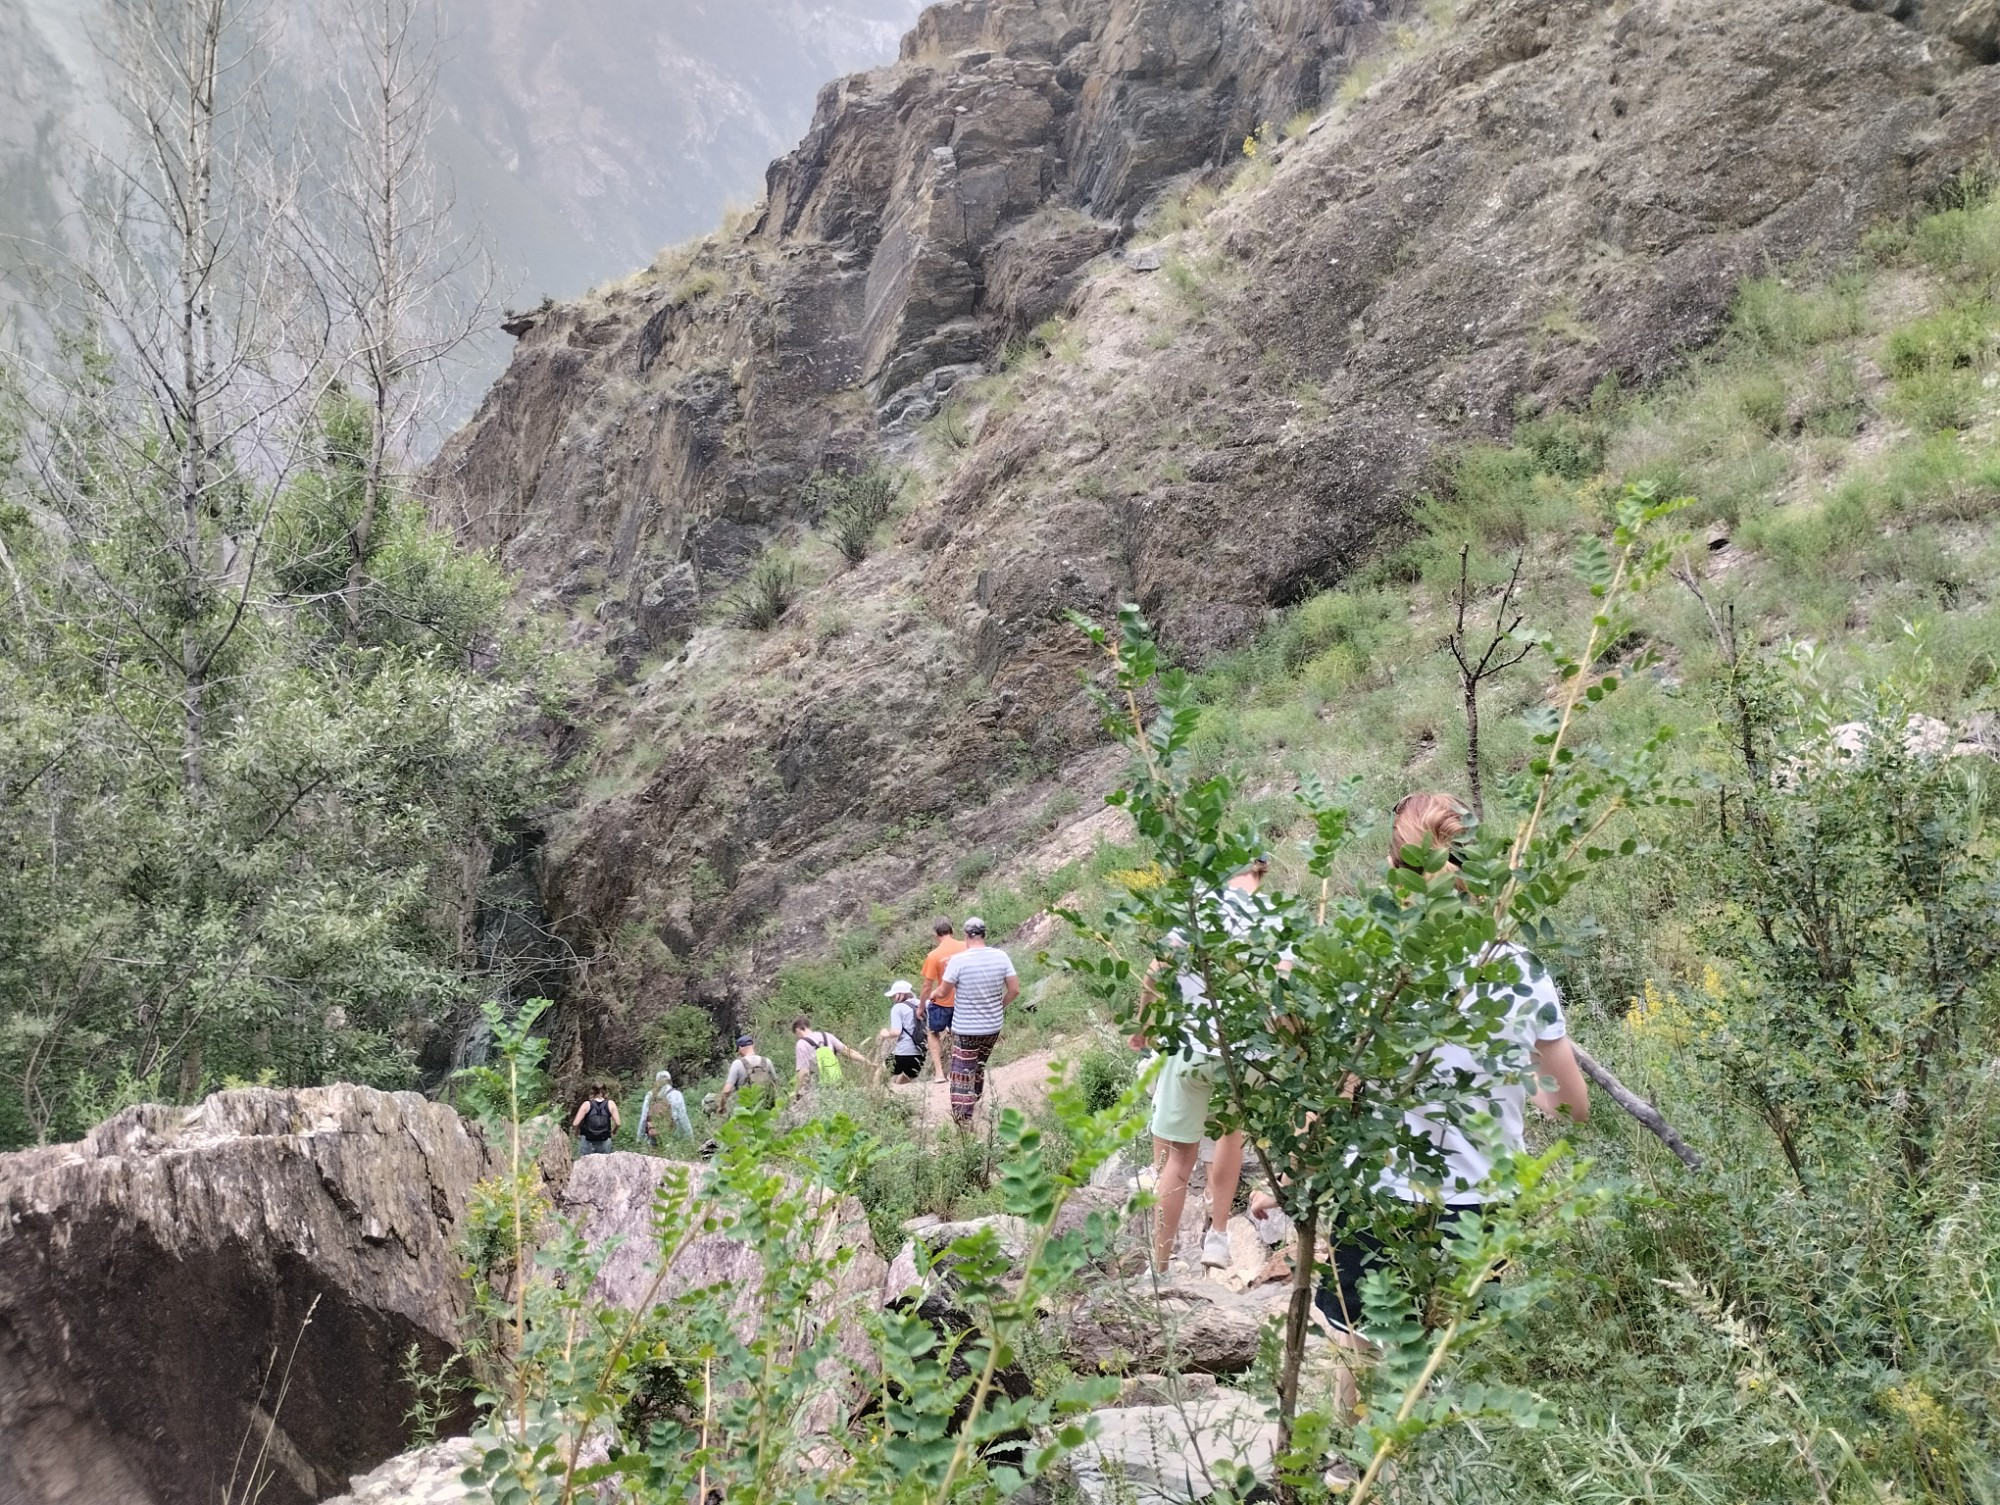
{"type": "Point", "coordinates": [767, 593]}
{"type": "Point", "coordinates": [1952, 339]}
{"type": "Point", "coordinates": [1931, 400]}
{"type": "Point", "coordinates": [1963, 242]}
{"type": "Point", "coordinates": [1103, 1073]}
{"type": "Point", "coordinates": [682, 1038]}
{"type": "Point", "coordinates": [849, 509]}
{"type": "Point", "coordinates": [1765, 400]}
{"type": "Point", "coordinates": [1773, 318]}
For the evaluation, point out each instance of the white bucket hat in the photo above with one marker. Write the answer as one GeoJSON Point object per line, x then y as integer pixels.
{"type": "Point", "coordinates": [900, 989]}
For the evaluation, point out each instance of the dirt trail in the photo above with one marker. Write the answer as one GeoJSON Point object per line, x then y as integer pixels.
{"type": "Point", "coordinates": [1021, 1083]}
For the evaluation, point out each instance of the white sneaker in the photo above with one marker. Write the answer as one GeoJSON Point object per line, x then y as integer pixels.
{"type": "Point", "coordinates": [1215, 1250]}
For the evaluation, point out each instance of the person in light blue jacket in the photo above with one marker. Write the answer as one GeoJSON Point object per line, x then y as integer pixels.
{"type": "Point", "coordinates": [664, 1092]}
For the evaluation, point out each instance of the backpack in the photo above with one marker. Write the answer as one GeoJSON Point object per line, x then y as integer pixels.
{"type": "Point", "coordinates": [915, 1033]}
{"type": "Point", "coordinates": [761, 1078]}
{"type": "Point", "coordinates": [826, 1064]}
{"type": "Point", "coordinates": [597, 1120]}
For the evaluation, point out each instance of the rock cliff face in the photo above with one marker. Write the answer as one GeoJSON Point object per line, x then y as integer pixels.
{"type": "Point", "coordinates": [1534, 195]}
{"type": "Point", "coordinates": [164, 1280]}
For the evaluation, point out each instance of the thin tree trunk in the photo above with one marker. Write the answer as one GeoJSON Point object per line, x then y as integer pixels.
{"type": "Point", "coordinates": [1472, 749]}
{"type": "Point", "coordinates": [1298, 1323]}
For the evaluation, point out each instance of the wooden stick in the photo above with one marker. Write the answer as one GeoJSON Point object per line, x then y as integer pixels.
{"type": "Point", "coordinates": [1637, 1106]}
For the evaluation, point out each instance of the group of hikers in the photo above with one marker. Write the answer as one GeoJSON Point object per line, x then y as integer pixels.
{"type": "Point", "coordinates": [955, 1021]}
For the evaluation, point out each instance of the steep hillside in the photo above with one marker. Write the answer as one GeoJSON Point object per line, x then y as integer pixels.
{"type": "Point", "coordinates": [1497, 211]}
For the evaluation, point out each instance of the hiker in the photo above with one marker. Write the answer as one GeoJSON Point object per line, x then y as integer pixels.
{"type": "Point", "coordinates": [664, 1091]}
{"type": "Point", "coordinates": [937, 995]}
{"type": "Point", "coordinates": [1181, 1096]}
{"type": "Point", "coordinates": [1536, 1038]}
{"type": "Point", "coordinates": [983, 983]}
{"type": "Point", "coordinates": [751, 1075]}
{"type": "Point", "coordinates": [596, 1121]}
{"type": "Point", "coordinates": [816, 1055]}
{"type": "Point", "coordinates": [905, 1034]}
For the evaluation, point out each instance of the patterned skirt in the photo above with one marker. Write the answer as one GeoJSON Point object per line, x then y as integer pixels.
{"type": "Point", "coordinates": [968, 1072]}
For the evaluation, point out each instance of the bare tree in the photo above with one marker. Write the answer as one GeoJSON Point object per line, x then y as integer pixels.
{"type": "Point", "coordinates": [1501, 653]}
{"type": "Point", "coordinates": [168, 424]}
{"type": "Point", "coordinates": [409, 291]}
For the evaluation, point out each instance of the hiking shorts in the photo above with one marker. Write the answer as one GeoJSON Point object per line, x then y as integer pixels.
{"type": "Point", "coordinates": [905, 1068]}
{"type": "Point", "coordinates": [938, 1016]}
{"type": "Point", "coordinates": [1356, 1251]}
{"type": "Point", "coordinates": [1181, 1095]}
{"type": "Point", "coordinates": [595, 1147]}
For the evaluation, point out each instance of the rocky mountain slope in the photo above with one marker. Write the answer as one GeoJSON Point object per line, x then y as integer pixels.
{"type": "Point", "coordinates": [1498, 210]}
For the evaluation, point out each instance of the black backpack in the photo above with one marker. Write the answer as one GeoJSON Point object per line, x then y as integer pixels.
{"type": "Point", "coordinates": [597, 1120]}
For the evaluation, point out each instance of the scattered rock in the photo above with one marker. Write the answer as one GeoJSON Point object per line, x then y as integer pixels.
{"type": "Point", "coordinates": [1013, 1233]}
{"type": "Point", "coordinates": [1193, 1325]}
{"type": "Point", "coordinates": [1163, 1389]}
{"type": "Point", "coordinates": [428, 1476]}
{"type": "Point", "coordinates": [612, 1196]}
{"type": "Point", "coordinates": [903, 1277]}
{"type": "Point", "coordinates": [1166, 1454]}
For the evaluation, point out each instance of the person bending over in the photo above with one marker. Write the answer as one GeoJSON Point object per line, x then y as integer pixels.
{"type": "Point", "coordinates": [816, 1055]}
{"type": "Point", "coordinates": [906, 1052]}
{"type": "Point", "coordinates": [1539, 1067]}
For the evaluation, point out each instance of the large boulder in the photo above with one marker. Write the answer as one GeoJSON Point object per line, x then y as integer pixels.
{"type": "Point", "coordinates": [187, 1291]}
{"type": "Point", "coordinates": [1189, 1325]}
{"type": "Point", "coordinates": [427, 1476]}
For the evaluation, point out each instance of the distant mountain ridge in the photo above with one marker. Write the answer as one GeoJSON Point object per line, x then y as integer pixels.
{"type": "Point", "coordinates": [584, 137]}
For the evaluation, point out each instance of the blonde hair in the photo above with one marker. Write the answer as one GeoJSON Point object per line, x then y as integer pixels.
{"type": "Point", "coordinates": [1426, 819]}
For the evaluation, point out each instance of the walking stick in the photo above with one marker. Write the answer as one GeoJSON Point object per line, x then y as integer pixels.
{"type": "Point", "coordinates": [1637, 1106]}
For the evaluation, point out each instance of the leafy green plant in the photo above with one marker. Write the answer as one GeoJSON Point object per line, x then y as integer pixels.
{"type": "Point", "coordinates": [850, 508]}
{"type": "Point", "coordinates": [1340, 1001]}
{"type": "Point", "coordinates": [435, 1395]}
{"type": "Point", "coordinates": [729, 1391]}
{"type": "Point", "coordinates": [767, 593]}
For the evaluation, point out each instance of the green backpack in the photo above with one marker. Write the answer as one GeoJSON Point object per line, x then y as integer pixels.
{"type": "Point", "coordinates": [826, 1063]}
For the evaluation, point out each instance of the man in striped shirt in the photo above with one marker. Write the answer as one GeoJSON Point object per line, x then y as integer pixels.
{"type": "Point", "coordinates": [983, 983]}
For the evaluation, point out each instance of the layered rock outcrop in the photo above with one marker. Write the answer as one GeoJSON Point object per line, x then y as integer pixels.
{"type": "Point", "coordinates": [1539, 195]}
{"type": "Point", "coordinates": [190, 1293]}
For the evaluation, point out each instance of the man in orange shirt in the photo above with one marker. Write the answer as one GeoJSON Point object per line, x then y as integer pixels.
{"type": "Point", "coordinates": [937, 995]}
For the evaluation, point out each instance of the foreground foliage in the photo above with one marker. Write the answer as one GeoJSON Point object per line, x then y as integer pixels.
{"type": "Point", "coordinates": [772, 1392]}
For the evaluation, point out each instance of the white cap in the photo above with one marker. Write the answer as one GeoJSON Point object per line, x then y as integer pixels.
{"type": "Point", "coordinates": [899, 989]}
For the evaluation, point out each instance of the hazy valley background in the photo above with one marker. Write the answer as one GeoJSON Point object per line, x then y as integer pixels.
{"type": "Point", "coordinates": [579, 137]}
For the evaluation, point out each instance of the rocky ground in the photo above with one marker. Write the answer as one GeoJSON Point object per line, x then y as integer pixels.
{"type": "Point", "coordinates": [1500, 208]}
{"type": "Point", "coordinates": [162, 1281]}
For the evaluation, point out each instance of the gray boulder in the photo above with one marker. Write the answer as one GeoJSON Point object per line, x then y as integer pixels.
{"type": "Point", "coordinates": [1173, 1454]}
{"type": "Point", "coordinates": [164, 1280]}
